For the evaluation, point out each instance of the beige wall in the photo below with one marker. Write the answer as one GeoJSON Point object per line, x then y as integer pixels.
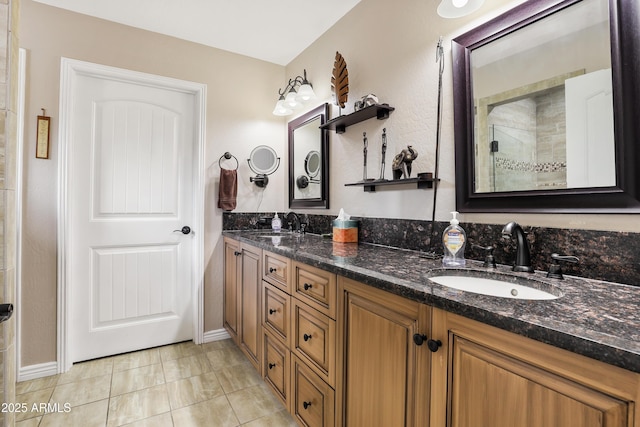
{"type": "Point", "coordinates": [241, 93]}
{"type": "Point", "coordinates": [390, 51]}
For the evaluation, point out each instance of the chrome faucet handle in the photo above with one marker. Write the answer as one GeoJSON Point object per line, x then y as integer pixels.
{"type": "Point", "coordinates": [555, 271]}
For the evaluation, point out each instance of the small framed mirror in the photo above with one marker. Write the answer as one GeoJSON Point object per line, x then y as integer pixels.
{"type": "Point", "coordinates": [309, 160]}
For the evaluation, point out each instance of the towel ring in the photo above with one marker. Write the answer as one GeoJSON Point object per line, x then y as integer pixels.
{"type": "Point", "coordinates": [228, 156]}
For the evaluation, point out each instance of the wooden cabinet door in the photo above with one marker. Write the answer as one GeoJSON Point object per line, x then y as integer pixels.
{"type": "Point", "coordinates": [499, 379]}
{"type": "Point", "coordinates": [385, 374]}
{"type": "Point", "coordinates": [232, 290]}
{"type": "Point", "coordinates": [276, 312]}
{"type": "Point", "coordinates": [312, 400]}
{"type": "Point", "coordinates": [315, 287]}
{"type": "Point", "coordinates": [250, 325]}
{"type": "Point", "coordinates": [276, 270]}
{"type": "Point", "coordinates": [313, 340]}
{"type": "Point", "coordinates": [277, 367]}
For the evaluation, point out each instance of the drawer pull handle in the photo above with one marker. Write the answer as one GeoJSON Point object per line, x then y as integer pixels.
{"type": "Point", "coordinates": [418, 339]}
{"type": "Point", "coordinates": [306, 405]}
{"type": "Point", "coordinates": [272, 311]}
{"type": "Point", "coordinates": [433, 345]}
{"type": "Point", "coordinates": [237, 253]}
{"type": "Point", "coordinates": [272, 365]}
{"type": "Point", "coordinates": [306, 337]}
{"type": "Point", "coordinates": [307, 286]}
{"type": "Point", "coordinates": [272, 270]}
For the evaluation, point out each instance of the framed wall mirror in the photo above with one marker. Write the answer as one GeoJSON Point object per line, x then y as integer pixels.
{"type": "Point", "coordinates": [544, 109]}
{"type": "Point", "coordinates": [309, 160]}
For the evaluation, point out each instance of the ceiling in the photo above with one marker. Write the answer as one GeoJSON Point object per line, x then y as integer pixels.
{"type": "Point", "coordinates": [275, 32]}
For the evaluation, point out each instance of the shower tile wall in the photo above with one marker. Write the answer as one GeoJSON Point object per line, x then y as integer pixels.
{"type": "Point", "coordinates": [531, 135]}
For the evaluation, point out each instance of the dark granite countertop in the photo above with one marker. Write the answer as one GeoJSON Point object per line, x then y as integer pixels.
{"type": "Point", "coordinates": [600, 320]}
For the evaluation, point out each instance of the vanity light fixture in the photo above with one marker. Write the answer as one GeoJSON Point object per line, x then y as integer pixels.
{"type": "Point", "coordinates": [458, 8]}
{"type": "Point", "coordinates": [291, 98]}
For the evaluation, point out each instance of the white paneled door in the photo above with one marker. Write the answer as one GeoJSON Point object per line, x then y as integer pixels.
{"type": "Point", "coordinates": [130, 195]}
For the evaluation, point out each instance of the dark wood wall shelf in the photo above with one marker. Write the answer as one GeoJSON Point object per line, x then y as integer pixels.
{"type": "Point", "coordinates": [370, 186]}
{"type": "Point", "coordinates": [340, 124]}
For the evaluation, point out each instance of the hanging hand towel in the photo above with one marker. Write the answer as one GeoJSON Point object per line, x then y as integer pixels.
{"type": "Point", "coordinates": [228, 189]}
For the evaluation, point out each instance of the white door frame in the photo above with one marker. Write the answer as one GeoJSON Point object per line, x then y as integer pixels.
{"type": "Point", "coordinates": [70, 69]}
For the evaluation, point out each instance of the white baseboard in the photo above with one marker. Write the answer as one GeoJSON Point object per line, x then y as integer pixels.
{"type": "Point", "coordinates": [41, 370]}
{"type": "Point", "coordinates": [217, 335]}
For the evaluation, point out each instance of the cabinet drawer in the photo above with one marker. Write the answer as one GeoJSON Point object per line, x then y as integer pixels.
{"type": "Point", "coordinates": [276, 312]}
{"type": "Point", "coordinates": [313, 401]}
{"type": "Point", "coordinates": [276, 270]}
{"type": "Point", "coordinates": [314, 336]}
{"type": "Point", "coordinates": [316, 287]}
{"type": "Point", "coordinates": [277, 367]}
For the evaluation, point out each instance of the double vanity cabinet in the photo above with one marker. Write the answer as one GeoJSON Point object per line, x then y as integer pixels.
{"type": "Point", "coordinates": [339, 352]}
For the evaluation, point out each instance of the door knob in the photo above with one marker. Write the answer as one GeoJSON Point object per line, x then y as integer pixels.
{"type": "Point", "coordinates": [6, 310]}
{"type": "Point", "coordinates": [184, 230]}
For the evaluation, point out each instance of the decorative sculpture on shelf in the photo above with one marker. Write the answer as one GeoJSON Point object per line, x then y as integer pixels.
{"type": "Point", "coordinates": [402, 162]}
{"type": "Point", "coordinates": [365, 101]}
{"type": "Point", "coordinates": [384, 152]}
{"type": "Point", "coordinates": [340, 81]}
{"type": "Point", "coordinates": [365, 150]}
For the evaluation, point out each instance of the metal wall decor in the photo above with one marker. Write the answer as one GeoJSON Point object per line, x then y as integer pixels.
{"type": "Point", "coordinates": [340, 81]}
{"type": "Point", "coordinates": [402, 162]}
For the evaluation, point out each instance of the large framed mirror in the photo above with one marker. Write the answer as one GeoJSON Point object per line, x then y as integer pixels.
{"type": "Point", "coordinates": [545, 109]}
{"type": "Point", "coordinates": [309, 160]}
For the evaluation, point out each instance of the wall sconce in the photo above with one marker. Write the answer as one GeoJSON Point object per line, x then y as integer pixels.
{"type": "Point", "coordinates": [290, 98]}
{"type": "Point", "coordinates": [458, 8]}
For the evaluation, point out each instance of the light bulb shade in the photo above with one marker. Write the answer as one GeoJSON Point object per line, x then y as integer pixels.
{"type": "Point", "coordinates": [458, 8]}
{"type": "Point", "coordinates": [305, 93]}
{"type": "Point", "coordinates": [290, 100]}
{"type": "Point", "coordinates": [281, 108]}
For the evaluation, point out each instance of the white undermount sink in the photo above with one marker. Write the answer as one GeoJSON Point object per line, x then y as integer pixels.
{"type": "Point", "coordinates": [493, 287]}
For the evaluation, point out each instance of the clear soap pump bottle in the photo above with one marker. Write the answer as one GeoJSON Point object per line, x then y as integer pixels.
{"type": "Point", "coordinates": [454, 240]}
{"type": "Point", "coordinates": [276, 223]}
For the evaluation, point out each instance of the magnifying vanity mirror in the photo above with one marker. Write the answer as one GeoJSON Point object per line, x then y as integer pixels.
{"type": "Point", "coordinates": [544, 109]}
{"type": "Point", "coordinates": [263, 161]}
{"type": "Point", "coordinates": [309, 160]}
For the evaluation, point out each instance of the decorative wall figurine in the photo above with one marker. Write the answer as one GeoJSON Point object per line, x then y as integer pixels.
{"type": "Point", "coordinates": [340, 81]}
{"type": "Point", "coordinates": [365, 101]}
{"type": "Point", "coordinates": [384, 152]}
{"type": "Point", "coordinates": [402, 162]}
{"type": "Point", "coordinates": [364, 152]}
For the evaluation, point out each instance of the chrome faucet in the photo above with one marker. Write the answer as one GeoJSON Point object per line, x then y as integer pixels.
{"type": "Point", "coordinates": [523, 256]}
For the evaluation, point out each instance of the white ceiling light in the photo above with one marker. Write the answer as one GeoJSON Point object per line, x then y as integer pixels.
{"type": "Point", "coordinates": [290, 98]}
{"type": "Point", "coordinates": [458, 8]}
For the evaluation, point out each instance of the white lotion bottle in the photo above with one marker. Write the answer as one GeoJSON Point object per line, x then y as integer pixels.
{"type": "Point", "coordinates": [454, 240]}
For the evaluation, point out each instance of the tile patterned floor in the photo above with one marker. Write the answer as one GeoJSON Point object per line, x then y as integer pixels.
{"type": "Point", "coordinates": [181, 385]}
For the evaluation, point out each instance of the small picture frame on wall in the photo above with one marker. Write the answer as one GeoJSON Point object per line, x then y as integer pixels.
{"type": "Point", "coordinates": [42, 135]}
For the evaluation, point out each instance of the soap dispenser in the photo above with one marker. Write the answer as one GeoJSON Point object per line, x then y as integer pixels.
{"type": "Point", "coordinates": [276, 223]}
{"type": "Point", "coordinates": [454, 239]}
